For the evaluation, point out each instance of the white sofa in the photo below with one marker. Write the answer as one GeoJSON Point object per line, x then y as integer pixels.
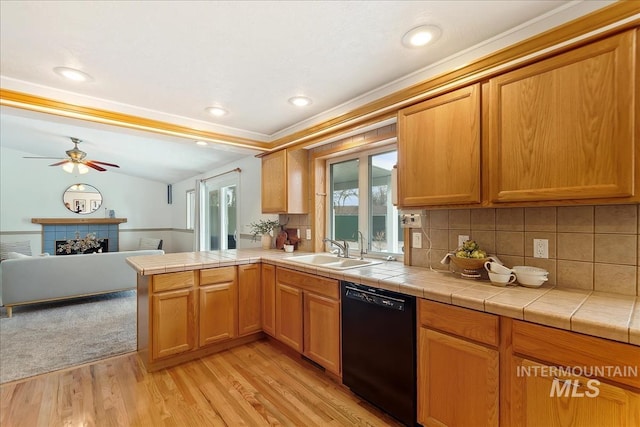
{"type": "Point", "coordinates": [36, 279]}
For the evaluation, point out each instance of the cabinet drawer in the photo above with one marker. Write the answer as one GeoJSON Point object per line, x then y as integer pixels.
{"type": "Point", "coordinates": [466, 323]}
{"type": "Point", "coordinates": [573, 349]}
{"type": "Point", "coordinates": [212, 276]}
{"type": "Point", "coordinates": [309, 282]}
{"type": "Point", "coordinates": [169, 281]}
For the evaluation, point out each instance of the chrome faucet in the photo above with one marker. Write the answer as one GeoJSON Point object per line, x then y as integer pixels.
{"type": "Point", "coordinates": [343, 247]}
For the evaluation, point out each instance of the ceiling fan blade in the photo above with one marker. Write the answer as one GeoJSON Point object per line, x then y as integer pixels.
{"type": "Point", "coordinates": [59, 163]}
{"type": "Point", "coordinates": [104, 163]}
{"type": "Point", "coordinates": [50, 158]}
{"type": "Point", "coordinates": [94, 166]}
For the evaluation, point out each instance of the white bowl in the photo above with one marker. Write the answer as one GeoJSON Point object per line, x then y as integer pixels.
{"type": "Point", "coordinates": [527, 269]}
{"type": "Point", "coordinates": [531, 280]}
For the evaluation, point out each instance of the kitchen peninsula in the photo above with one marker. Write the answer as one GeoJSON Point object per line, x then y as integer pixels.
{"type": "Point", "coordinates": [192, 304]}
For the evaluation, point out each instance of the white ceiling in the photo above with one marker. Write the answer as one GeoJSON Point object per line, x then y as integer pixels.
{"type": "Point", "coordinates": [169, 60]}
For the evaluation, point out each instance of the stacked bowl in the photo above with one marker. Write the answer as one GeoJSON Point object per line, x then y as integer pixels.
{"type": "Point", "coordinates": [499, 274]}
{"type": "Point", "coordinates": [531, 277]}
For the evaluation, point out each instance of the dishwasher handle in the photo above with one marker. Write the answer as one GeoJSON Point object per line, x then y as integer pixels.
{"type": "Point", "coordinates": [374, 299]}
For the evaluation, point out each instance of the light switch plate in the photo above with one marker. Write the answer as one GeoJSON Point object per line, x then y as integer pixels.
{"type": "Point", "coordinates": [461, 239]}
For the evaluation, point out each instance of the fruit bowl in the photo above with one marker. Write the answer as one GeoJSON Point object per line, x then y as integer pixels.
{"type": "Point", "coordinates": [471, 267]}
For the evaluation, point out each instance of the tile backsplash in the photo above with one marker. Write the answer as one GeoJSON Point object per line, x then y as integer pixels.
{"type": "Point", "coordinates": [590, 247]}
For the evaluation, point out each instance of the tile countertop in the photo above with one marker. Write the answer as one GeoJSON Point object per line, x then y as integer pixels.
{"type": "Point", "coordinates": [605, 315]}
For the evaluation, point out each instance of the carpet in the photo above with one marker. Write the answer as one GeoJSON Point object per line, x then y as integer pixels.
{"type": "Point", "coordinates": [47, 337]}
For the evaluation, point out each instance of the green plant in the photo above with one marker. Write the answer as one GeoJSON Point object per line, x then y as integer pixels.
{"type": "Point", "coordinates": [262, 227]}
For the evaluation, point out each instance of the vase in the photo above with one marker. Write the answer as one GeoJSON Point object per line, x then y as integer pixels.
{"type": "Point", "coordinates": [266, 241]}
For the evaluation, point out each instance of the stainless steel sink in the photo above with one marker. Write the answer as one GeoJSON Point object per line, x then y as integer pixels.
{"type": "Point", "coordinates": [331, 261]}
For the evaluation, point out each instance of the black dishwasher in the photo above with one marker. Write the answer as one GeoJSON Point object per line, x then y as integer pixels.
{"type": "Point", "coordinates": [379, 348]}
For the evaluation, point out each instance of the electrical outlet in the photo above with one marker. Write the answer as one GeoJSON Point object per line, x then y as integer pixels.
{"type": "Point", "coordinates": [461, 239]}
{"type": "Point", "coordinates": [416, 240]}
{"type": "Point", "coordinates": [308, 236]}
{"type": "Point", "coordinates": [540, 248]}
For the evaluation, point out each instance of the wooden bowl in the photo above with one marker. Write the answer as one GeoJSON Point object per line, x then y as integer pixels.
{"type": "Point", "coordinates": [468, 263]}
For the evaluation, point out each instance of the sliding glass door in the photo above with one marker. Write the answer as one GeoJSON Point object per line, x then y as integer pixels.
{"type": "Point", "coordinates": [219, 213]}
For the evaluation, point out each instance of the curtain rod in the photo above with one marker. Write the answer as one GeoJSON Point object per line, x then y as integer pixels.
{"type": "Point", "coordinates": [220, 174]}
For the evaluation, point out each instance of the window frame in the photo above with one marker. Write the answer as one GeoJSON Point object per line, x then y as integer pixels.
{"type": "Point", "coordinates": [364, 211]}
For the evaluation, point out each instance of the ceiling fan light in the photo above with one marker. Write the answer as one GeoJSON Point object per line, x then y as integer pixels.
{"type": "Point", "coordinates": [68, 167]}
{"type": "Point", "coordinates": [82, 169]}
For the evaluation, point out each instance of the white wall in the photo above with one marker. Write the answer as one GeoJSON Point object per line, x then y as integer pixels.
{"type": "Point", "coordinates": [249, 202]}
{"type": "Point", "coordinates": [29, 188]}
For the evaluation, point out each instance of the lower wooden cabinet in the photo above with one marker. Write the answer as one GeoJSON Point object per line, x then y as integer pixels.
{"type": "Point", "coordinates": [307, 313]}
{"type": "Point", "coordinates": [249, 299]}
{"type": "Point", "coordinates": [268, 279]}
{"type": "Point", "coordinates": [322, 331]}
{"type": "Point", "coordinates": [289, 316]}
{"type": "Point", "coordinates": [541, 394]}
{"type": "Point", "coordinates": [569, 400]}
{"type": "Point", "coordinates": [217, 309]}
{"type": "Point", "coordinates": [458, 377]}
{"type": "Point", "coordinates": [172, 318]}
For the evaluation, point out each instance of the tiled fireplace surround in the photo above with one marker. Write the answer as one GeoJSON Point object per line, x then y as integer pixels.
{"type": "Point", "coordinates": [590, 247]}
{"type": "Point", "coordinates": [53, 232]}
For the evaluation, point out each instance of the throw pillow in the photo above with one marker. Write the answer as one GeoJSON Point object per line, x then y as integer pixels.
{"type": "Point", "coordinates": [23, 248]}
{"type": "Point", "coordinates": [148, 243]}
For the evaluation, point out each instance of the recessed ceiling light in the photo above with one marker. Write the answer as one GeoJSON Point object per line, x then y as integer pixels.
{"type": "Point", "coordinates": [421, 36]}
{"type": "Point", "coordinates": [300, 101]}
{"type": "Point", "coordinates": [202, 143]}
{"type": "Point", "coordinates": [72, 74]}
{"type": "Point", "coordinates": [216, 111]}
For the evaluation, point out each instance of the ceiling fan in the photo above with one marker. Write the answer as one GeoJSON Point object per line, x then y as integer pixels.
{"type": "Point", "coordinates": [76, 157]}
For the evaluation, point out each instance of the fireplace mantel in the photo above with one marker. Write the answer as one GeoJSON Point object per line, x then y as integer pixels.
{"type": "Point", "coordinates": [78, 220]}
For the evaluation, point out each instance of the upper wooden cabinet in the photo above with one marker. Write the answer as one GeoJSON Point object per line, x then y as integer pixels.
{"type": "Point", "coordinates": [563, 128]}
{"type": "Point", "coordinates": [285, 182]}
{"type": "Point", "coordinates": [439, 150]}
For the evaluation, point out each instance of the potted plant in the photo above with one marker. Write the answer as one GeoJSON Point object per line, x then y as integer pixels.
{"type": "Point", "coordinates": [263, 228]}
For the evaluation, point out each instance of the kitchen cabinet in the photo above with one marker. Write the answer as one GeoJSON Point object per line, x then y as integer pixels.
{"type": "Point", "coordinates": [458, 366]}
{"type": "Point", "coordinates": [439, 150]}
{"type": "Point", "coordinates": [308, 316]}
{"type": "Point", "coordinates": [268, 279]}
{"type": "Point", "coordinates": [322, 331]}
{"type": "Point", "coordinates": [285, 182]}
{"type": "Point", "coordinates": [172, 314]}
{"type": "Point", "coordinates": [218, 302]}
{"type": "Point", "coordinates": [249, 299]}
{"type": "Point", "coordinates": [563, 128]}
{"type": "Point", "coordinates": [541, 396]}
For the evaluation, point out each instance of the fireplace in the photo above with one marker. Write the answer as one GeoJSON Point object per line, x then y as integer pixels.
{"type": "Point", "coordinates": [103, 246]}
{"type": "Point", "coordinates": [56, 231]}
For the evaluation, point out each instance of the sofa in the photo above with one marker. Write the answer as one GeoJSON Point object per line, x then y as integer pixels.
{"type": "Point", "coordinates": [28, 279]}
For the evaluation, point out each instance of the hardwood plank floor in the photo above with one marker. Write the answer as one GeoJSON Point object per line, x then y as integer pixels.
{"type": "Point", "coordinates": [257, 384]}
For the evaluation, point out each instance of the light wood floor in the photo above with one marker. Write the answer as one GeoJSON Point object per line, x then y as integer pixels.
{"type": "Point", "coordinates": [254, 385]}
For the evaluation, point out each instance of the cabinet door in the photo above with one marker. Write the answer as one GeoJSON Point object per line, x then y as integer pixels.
{"type": "Point", "coordinates": [439, 150]}
{"type": "Point", "coordinates": [544, 398]}
{"type": "Point", "coordinates": [217, 312]}
{"type": "Point", "coordinates": [457, 381]}
{"type": "Point", "coordinates": [322, 331]}
{"type": "Point", "coordinates": [268, 278]}
{"type": "Point", "coordinates": [289, 316]}
{"type": "Point", "coordinates": [285, 182]}
{"type": "Point", "coordinates": [173, 329]}
{"type": "Point", "coordinates": [563, 128]}
{"type": "Point", "coordinates": [249, 299]}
